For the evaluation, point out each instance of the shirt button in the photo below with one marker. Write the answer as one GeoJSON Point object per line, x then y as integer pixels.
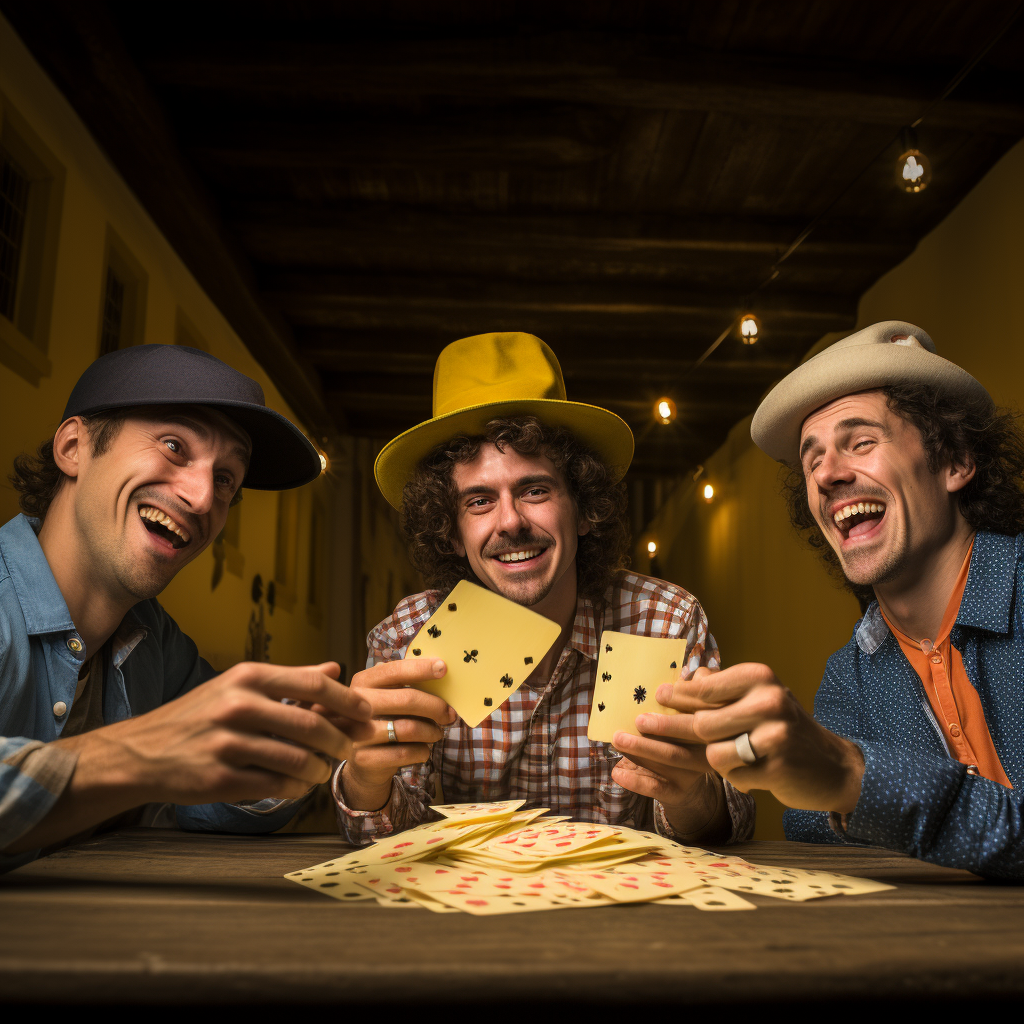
{"type": "Point", "coordinates": [972, 769]}
{"type": "Point", "coordinates": [954, 729]}
{"type": "Point", "coordinates": [60, 709]}
{"type": "Point", "coordinates": [936, 659]}
{"type": "Point", "coordinates": [74, 644]}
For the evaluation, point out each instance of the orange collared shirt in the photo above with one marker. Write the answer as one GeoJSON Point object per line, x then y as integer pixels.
{"type": "Point", "coordinates": [952, 696]}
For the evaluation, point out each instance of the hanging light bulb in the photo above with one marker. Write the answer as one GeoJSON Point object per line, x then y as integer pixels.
{"type": "Point", "coordinates": [750, 329]}
{"type": "Point", "coordinates": [664, 410]}
{"type": "Point", "coordinates": [709, 493]}
{"type": "Point", "coordinates": [652, 548]}
{"type": "Point", "coordinates": [913, 168]}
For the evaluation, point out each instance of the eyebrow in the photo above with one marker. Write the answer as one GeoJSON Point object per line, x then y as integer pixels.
{"type": "Point", "coordinates": [523, 481]}
{"type": "Point", "coordinates": [847, 424]}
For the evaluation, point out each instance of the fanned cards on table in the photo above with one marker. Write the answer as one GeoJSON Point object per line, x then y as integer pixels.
{"type": "Point", "coordinates": [630, 668]}
{"type": "Point", "coordinates": [490, 645]}
{"type": "Point", "coordinates": [498, 858]}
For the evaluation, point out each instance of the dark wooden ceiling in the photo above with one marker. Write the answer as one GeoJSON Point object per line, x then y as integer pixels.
{"type": "Point", "coordinates": [358, 184]}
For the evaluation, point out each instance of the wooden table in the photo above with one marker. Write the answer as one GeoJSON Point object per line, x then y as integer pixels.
{"type": "Point", "coordinates": [152, 916]}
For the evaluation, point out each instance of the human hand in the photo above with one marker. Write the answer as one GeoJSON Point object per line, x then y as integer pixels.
{"type": "Point", "coordinates": [798, 760]}
{"type": "Point", "coordinates": [418, 719]}
{"type": "Point", "coordinates": [229, 739]}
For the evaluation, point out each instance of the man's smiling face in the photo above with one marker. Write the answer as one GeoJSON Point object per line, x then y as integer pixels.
{"type": "Point", "coordinates": [871, 491]}
{"type": "Point", "coordinates": [517, 524]}
{"type": "Point", "coordinates": [158, 495]}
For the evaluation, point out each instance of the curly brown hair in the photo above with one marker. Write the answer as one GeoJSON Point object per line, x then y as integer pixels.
{"type": "Point", "coordinates": [969, 431]}
{"type": "Point", "coordinates": [430, 509]}
{"type": "Point", "coordinates": [38, 477]}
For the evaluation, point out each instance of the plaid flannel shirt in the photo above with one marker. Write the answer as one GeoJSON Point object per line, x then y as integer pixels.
{"type": "Point", "coordinates": [535, 745]}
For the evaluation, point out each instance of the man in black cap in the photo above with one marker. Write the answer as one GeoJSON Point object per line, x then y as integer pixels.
{"type": "Point", "coordinates": [105, 706]}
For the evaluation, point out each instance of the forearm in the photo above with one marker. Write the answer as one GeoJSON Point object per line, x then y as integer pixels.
{"type": "Point", "coordinates": [406, 803]}
{"type": "Point", "coordinates": [99, 788]}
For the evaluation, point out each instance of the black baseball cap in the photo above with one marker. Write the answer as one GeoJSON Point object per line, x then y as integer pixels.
{"type": "Point", "coordinates": [147, 375]}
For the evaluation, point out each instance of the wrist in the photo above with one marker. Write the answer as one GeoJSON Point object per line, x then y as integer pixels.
{"type": "Point", "coordinates": [700, 809]}
{"type": "Point", "coordinates": [852, 778]}
{"type": "Point", "coordinates": [364, 794]}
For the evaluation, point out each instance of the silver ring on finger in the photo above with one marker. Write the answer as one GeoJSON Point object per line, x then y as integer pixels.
{"type": "Point", "coordinates": [392, 735]}
{"type": "Point", "coordinates": [744, 751]}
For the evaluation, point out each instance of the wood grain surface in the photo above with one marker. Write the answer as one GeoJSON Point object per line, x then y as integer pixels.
{"type": "Point", "coordinates": [152, 916]}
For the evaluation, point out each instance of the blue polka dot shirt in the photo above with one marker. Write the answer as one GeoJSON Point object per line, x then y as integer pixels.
{"type": "Point", "coordinates": [916, 797]}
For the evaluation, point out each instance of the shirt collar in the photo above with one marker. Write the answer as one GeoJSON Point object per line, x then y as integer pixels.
{"type": "Point", "coordinates": [991, 581]}
{"type": "Point", "coordinates": [42, 603]}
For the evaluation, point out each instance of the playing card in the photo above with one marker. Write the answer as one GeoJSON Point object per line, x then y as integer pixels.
{"type": "Point", "coordinates": [489, 644]}
{"type": "Point", "coordinates": [709, 897]}
{"type": "Point", "coordinates": [467, 814]}
{"type": "Point", "coordinates": [630, 668]}
{"type": "Point", "coordinates": [625, 887]}
{"type": "Point", "coordinates": [485, 906]}
{"type": "Point", "coordinates": [331, 881]}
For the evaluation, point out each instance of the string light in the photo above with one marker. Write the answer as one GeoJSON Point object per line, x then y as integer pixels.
{"type": "Point", "coordinates": [664, 410]}
{"type": "Point", "coordinates": [913, 168]}
{"type": "Point", "coordinates": [324, 462]}
{"type": "Point", "coordinates": [750, 329]}
{"type": "Point", "coordinates": [709, 493]}
{"type": "Point", "coordinates": [652, 548]}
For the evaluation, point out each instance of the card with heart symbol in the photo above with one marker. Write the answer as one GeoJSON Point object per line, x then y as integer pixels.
{"type": "Point", "coordinates": [489, 644]}
{"type": "Point", "coordinates": [630, 668]}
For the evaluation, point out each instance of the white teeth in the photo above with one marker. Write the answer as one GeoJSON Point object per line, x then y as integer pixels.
{"type": "Point", "coordinates": [858, 508]}
{"type": "Point", "coordinates": [518, 556]}
{"type": "Point", "coordinates": [154, 515]}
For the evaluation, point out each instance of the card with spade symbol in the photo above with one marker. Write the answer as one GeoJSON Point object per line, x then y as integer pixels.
{"type": "Point", "coordinates": [630, 668]}
{"type": "Point", "coordinates": [490, 645]}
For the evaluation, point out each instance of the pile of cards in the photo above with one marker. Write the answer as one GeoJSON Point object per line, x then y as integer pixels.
{"type": "Point", "coordinates": [495, 858]}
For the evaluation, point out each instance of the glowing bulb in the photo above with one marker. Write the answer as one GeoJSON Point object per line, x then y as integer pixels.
{"type": "Point", "coordinates": [709, 492]}
{"type": "Point", "coordinates": [913, 169]}
{"type": "Point", "coordinates": [749, 329]}
{"type": "Point", "coordinates": [664, 410]}
{"type": "Point", "coordinates": [323, 462]}
{"type": "Point", "coordinates": [652, 547]}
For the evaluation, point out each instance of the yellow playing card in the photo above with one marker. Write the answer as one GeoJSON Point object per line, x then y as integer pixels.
{"type": "Point", "coordinates": [710, 897]}
{"type": "Point", "coordinates": [489, 644]}
{"type": "Point", "coordinates": [630, 669]}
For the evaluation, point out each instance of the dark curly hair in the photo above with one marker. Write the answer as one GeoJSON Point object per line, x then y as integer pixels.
{"type": "Point", "coordinates": [430, 510]}
{"type": "Point", "coordinates": [968, 431]}
{"type": "Point", "coordinates": [38, 477]}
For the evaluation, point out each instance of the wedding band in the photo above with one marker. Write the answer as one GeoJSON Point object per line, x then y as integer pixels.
{"type": "Point", "coordinates": [744, 751]}
{"type": "Point", "coordinates": [392, 735]}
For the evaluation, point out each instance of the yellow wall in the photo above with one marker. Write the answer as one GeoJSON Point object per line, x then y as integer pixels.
{"type": "Point", "coordinates": [95, 199]}
{"type": "Point", "coordinates": [766, 597]}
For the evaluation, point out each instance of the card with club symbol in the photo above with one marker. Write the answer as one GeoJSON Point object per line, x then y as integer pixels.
{"type": "Point", "coordinates": [490, 645]}
{"type": "Point", "coordinates": [630, 668]}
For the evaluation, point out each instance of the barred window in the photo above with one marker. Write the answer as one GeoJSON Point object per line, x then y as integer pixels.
{"type": "Point", "coordinates": [14, 190]}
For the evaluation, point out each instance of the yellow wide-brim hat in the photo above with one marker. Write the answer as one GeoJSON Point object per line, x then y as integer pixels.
{"type": "Point", "coordinates": [488, 376]}
{"type": "Point", "coordinates": [884, 354]}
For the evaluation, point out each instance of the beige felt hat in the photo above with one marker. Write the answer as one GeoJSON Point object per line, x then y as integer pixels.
{"type": "Point", "coordinates": [891, 352]}
{"type": "Point", "coordinates": [493, 375]}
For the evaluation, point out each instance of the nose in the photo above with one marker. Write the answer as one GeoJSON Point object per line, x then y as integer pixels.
{"type": "Point", "coordinates": [510, 518]}
{"type": "Point", "coordinates": [833, 468]}
{"type": "Point", "coordinates": [194, 487]}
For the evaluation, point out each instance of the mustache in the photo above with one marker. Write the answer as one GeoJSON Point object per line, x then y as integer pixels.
{"type": "Point", "coordinates": [525, 540]}
{"type": "Point", "coordinates": [175, 509]}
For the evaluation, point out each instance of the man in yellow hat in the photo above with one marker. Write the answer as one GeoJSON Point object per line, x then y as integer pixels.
{"type": "Point", "coordinates": [515, 488]}
{"type": "Point", "coordinates": [910, 482]}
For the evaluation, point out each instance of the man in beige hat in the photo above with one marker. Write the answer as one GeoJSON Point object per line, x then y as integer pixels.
{"type": "Point", "coordinates": [909, 481]}
{"type": "Point", "coordinates": [515, 488]}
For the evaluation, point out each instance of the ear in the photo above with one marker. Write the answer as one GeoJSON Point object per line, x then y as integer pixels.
{"type": "Point", "coordinates": [958, 477]}
{"type": "Point", "coordinates": [68, 442]}
{"type": "Point", "coordinates": [460, 548]}
{"type": "Point", "coordinates": [582, 527]}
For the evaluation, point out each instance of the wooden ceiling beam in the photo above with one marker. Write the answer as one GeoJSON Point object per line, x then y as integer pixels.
{"type": "Point", "coordinates": [661, 74]}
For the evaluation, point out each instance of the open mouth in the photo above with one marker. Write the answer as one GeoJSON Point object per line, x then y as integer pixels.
{"type": "Point", "coordinates": [523, 555]}
{"type": "Point", "coordinates": [859, 518]}
{"type": "Point", "coordinates": [162, 525]}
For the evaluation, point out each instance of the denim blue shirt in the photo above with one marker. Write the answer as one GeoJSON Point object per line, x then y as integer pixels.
{"type": "Point", "coordinates": [150, 662]}
{"type": "Point", "coordinates": [915, 797]}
